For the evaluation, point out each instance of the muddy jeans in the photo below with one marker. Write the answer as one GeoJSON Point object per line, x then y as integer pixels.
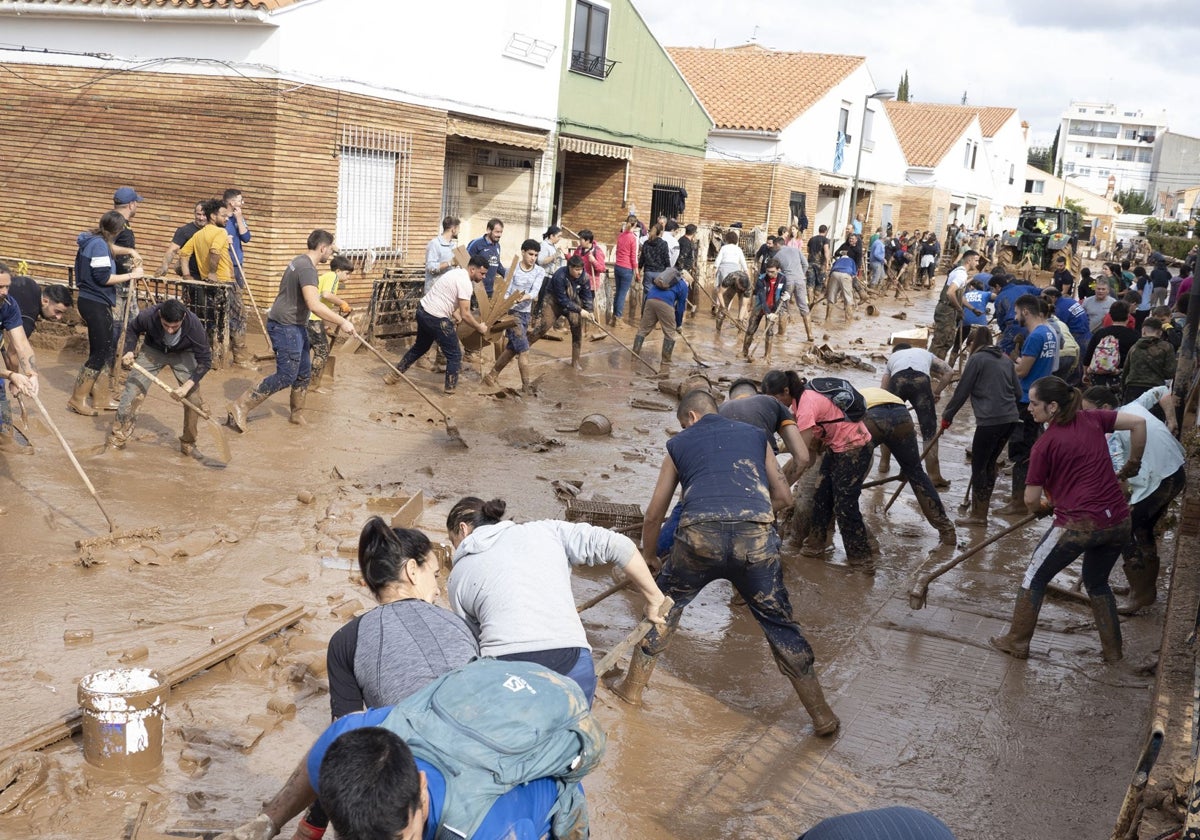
{"type": "Point", "coordinates": [892, 426]}
{"type": "Point", "coordinates": [986, 446]}
{"type": "Point", "coordinates": [551, 312]}
{"type": "Point", "coordinates": [319, 342]}
{"type": "Point", "coordinates": [658, 312]}
{"type": "Point", "coordinates": [747, 555]}
{"type": "Point", "coordinates": [1060, 546]}
{"type": "Point", "coordinates": [183, 365]}
{"type": "Point", "coordinates": [293, 368]}
{"type": "Point", "coordinates": [914, 388]}
{"type": "Point", "coordinates": [837, 495]}
{"type": "Point", "coordinates": [1145, 514]}
{"type": "Point", "coordinates": [430, 330]}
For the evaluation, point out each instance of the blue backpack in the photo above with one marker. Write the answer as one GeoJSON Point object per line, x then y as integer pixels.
{"type": "Point", "coordinates": [493, 725]}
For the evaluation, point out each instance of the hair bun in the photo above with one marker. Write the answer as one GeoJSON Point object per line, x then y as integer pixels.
{"type": "Point", "coordinates": [494, 509]}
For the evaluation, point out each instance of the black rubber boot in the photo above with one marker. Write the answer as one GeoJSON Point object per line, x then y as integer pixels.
{"type": "Point", "coordinates": [1142, 573]}
{"type": "Point", "coordinates": [1108, 625]}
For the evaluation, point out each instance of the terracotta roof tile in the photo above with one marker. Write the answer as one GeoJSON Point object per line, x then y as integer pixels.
{"type": "Point", "coordinates": [992, 120]}
{"type": "Point", "coordinates": [755, 89]}
{"type": "Point", "coordinates": [259, 5]}
{"type": "Point", "coordinates": [927, 131]}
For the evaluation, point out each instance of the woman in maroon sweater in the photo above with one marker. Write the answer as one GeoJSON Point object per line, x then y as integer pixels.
{"type": "Point", "coordinates": [1070, 465]}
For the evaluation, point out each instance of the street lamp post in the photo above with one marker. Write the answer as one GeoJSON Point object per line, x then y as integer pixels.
{"type": "Point", "coordinates": [881, 94]}
{"type": "Point", "coordinates": [1062, 198]}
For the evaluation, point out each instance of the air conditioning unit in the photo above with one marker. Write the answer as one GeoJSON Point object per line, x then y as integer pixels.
{"type": "Point", "coordinates": [474, 182]}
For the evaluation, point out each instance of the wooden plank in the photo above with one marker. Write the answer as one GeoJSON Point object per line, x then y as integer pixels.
{"type": "Point", "coordinates": [67, 724]}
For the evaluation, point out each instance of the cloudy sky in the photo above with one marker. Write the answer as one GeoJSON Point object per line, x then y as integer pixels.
{"type": "Point", "coordinates": [1035, 55]}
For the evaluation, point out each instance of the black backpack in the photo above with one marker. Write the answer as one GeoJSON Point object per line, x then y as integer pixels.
{"type": "Point", "coordinates": [842, 394]}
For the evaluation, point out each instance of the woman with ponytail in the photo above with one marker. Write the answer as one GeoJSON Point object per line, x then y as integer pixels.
{"type": "Point", "coordinates": [512, 583]}
{"type": "Point", "coordinates": [1070, 465]}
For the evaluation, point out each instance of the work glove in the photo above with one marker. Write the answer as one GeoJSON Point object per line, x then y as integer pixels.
{"type": "Point", "coordinates": [587, 315]}
{"type": "Point", "coordinates": [179, 393]}
{"type": "Point", "coordinates": [1132, 467]}
{"type": "Point", "coordinates": [307, 831]}
{"type": "Point", "coordinates": [785, 297]}
{"type": "Point", "coordinates": [259, 828]}
{"type": "Point", "coordinates": [127, 362]}
{"type": "Point", "coordinates": [1042, 511]}
{"type": "Point", "coordinates": [945, 424]}
{"type": "Point", "coordinates": [345, 309]}
{"type": "Point", "coordinates": [773, 318]}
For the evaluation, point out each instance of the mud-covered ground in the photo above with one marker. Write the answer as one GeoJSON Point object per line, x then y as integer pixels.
{"type": "Point", "coordinates": [931, 716]}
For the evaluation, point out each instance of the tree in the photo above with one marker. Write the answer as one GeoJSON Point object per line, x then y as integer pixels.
{"type": "Point", "coordinates": [902, 88]}
{"type": "Point", "coordinates": [1054, 153]}
{"type": "Point", "coordinates": [1074, 206]}
{"type": "Point", "coordinates": [1041, 158]}
{"type": "Point", "coordinates": [1133, 201]}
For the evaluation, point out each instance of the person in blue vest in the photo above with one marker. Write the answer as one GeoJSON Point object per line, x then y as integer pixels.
{"type": "Point", "coordinates": [732, 486]}
{"type": "Point", "coordinates": [488, 246]}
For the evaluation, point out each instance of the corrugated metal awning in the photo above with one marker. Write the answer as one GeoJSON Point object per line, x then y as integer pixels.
{"type": "Point", "coordinates": [837, 181]}
{"type": "Point", "coordinates": [491, 132]}
{"type": "Point", "coordinates": [595, 148]}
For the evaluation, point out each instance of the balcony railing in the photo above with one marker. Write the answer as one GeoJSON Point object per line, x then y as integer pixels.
{"type": "Point", "coordinates": [591, 65]}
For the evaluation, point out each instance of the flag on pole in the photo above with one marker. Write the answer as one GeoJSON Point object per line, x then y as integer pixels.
{"type": "Point", "coordinates": [839, 153]}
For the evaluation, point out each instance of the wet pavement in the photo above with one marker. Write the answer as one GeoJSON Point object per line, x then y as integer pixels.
{"type": "Point", "coordinates": [931, 716]}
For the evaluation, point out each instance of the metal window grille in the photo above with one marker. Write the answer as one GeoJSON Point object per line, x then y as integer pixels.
{"type": "Point", "coordinates": [374, 175]}
{"type": "Point", "coordinates": [665, 197]}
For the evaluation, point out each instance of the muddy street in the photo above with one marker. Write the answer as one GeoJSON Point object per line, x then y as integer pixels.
{"type": "Point", "coordinates": [931, 715]}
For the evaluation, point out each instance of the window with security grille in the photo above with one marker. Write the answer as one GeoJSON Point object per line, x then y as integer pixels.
{"type": "Point", "coordinates": [667, 198]}
{"type": "Point", "coordinates": [373, 190]}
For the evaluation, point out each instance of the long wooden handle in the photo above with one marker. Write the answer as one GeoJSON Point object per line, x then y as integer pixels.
{"type": "Point", "coordinates": [171, 391]}
{"type": "Point", "coordinates": [921, 587]}
{"type": "Point", "coordinates": [623, 344]}
{"type": "Point", "coordinates": [593, 601]}
{"type": "Point", "coordinates": [249, 291]}
{"type": "Point", "coordinates": [627, 644]}
{"type": "Point", "coordinates": [904, 481]}
{"type": "Point", "coordinates": [130, 294]}
{"type": "Point", "coordinates": [406, 380]}
{"type": "Point", "coordinates": [74, 461]}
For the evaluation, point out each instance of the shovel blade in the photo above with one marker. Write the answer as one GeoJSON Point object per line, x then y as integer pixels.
{"type": "Point", "coordinates": [330, 367]}
{"type": "Point", "coordinates": [224, 455]}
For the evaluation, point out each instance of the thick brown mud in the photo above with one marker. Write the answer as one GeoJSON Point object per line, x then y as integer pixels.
{"type": "Point", "coordinates": [931, 716]}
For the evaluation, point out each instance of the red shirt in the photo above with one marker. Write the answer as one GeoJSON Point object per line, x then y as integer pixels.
{"type": "Point", "coordinates": [627, 249]}
{"type": "Point", "coordinates": [1072, 463]}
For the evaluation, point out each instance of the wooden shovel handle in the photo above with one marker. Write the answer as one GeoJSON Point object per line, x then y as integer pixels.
{"type": "Point", "coordinates": [74, 461]}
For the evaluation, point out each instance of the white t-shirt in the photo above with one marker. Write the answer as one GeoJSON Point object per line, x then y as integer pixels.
{"type": "Point", "coordinates": [957, 278]}
{"type": "Point", "coordinates": [441, 301]}
{"type": "Point", "coordinates": [526, 282]}
{"type": "Point", "coordinates": [914, 358]}
{"type": "Point", "coordinates": [732, 256]}
{"type": "Point", "coordinates": [1163, 455]}
{"type": "Point", "coordinates": [672, 247]}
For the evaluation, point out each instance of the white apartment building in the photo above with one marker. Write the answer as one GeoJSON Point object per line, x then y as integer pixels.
{"type": "Point", "coordinates": [1106, 146]}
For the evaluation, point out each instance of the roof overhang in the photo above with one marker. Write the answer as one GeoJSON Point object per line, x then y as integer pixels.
{"type": "Point", "coordinates": [493, 132]}
{"type": "Point", "coordinates": [595, 148]}
{"type": "Point", "coordinates": [96, 11]}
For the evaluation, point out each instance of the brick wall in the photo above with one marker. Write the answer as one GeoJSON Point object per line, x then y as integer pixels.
{"type": "Point", "coordinates": [76, 134]}
{"type": "Point", "coordinates": [649, 165]}
{"type": "Point", "coordinates": [591, 195]}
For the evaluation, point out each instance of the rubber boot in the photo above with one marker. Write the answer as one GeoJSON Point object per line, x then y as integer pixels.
{"type": "Point", "coordinates": [120, 433]}
{"type": "Point", "coordinates": [933, 466]}
{"type": "Point", "coordinates": [318, 373]}
{"type": "Point", "coordinates": [808, 689]}
{"type": "Point", "coordinates": [885, 460]}
{"type": "Point", "coordinates": [83, 388]}
{"type": "Point", "coordinates": [9, 445]}
{"type": "Point", "coordinates": [641, 666]}
{"type": "Point", "coordinates": [241, 353]}
{"type": "Point", "coordinates": [749, 339]}
{"type": "Point", "coordinates": [638, 341]}
{"type": "Point", "coordinates": [576, 354]}
{"type": "Point", "coordinates": [523, 369]}
{"type": "Point", "coordinates": [191, 425]}
{"type": "Point", "coordinates": [240, 410]}
{"type": "Point", "coordinates": [391, 378]}
{"type": "Point", "coordinates": [807, 326]}
{"type": "Point", "coordinates": [505, 357]}
{"type": "Point", "coordinates": [979, 510]}
{"type": "Point", "coordinates": [668, 348]}
{"type": "Point", "coordinates": [102, 391]}
{"type": "Point", "coordinates": [299, 397]}
{"type": "Point", "coordinates": [1016, 505]}
{"type": "Point", "coordinates": [1024, 621]}
{"type": "Point", "coordinates": [1108, 625]}
{"type": "Point", "coordinates": [935, 514]}
{"type": "Point", "coordinates": [1142, 573]}
{"type": "Point", "coordinates": [451, 383]}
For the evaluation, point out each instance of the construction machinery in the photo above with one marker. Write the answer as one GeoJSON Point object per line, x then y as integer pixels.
{"type": "Point", "coordinates": [1041, 235]}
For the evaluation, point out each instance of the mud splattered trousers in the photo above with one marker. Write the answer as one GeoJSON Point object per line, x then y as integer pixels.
{"type": "Point", "coordinates": [548, 317]}
{"type": "Point", "coordinates": [319, 342]}
{"type": "Point", "coordinates": [183, 365]}
{"type": "Point", "coordinates": [837, 495]}
{"type": "Point", "coordinates": [747, 555]}
{"type": "Point", "coordinates": [986, 446]}
{"type": "Point", "coordinates": [293, 368]}
{"type": "Point", "coordinates": [945, 327]}
{"type": "Point", "coordinates": [1060, 546]}
{"type": "Point", "coordinates": [892, 426]}
{"type": "Point", "coordinates": [99, 320]}
{"type": "Point", "coordinates": [434, 330]}
{"type": "Point", "coordinates": [914, 388]}
{"type": "Point", "coordinates": [1144, 516]}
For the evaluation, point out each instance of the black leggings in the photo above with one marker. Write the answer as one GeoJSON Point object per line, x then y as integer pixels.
{"type": "Point", "coordinates": [99, 320]}
{"type": "Point", "coordinates": [1145, 514]}
{"type": "Point", "coordinates": [986, 446]}
{"type": "Point", "coordinates": [915, 388]}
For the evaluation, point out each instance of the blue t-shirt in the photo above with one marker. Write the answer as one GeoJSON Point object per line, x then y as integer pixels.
{"type": "Point", "coordinates": [10, 314]}
{"type": "Point", "coordinates": [979, 299]}
{"type": "Point", "coordinates": [521, 814]}
{"type": "Point", "coordinates": [1072, 313]}
{"type": "Point", "coordinates": [878, 250]}
{"type": "Point", "coordinates": [490, 251]}
{"type": "Point", "coordinates": [1042, 344]}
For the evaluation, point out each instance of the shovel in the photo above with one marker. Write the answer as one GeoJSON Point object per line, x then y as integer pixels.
{"type": "Point", "coordinates": [451, 428]}
{"type": "Point", "coordinates": [253, 303]}
{"type": "Point", "coordinates": [904, 481]}
{"type": "Point", "coordinates": [331, 363]}
{"type": "Point", "coordinates": [625, 645]}
{"type": "Point", "coordinates": [74, 462]}
{"type": "Point", "coordinates": [695, 356]}
{"type": "Point", "coordinates": [920, 589]}
{"type": "Point", "coordinates": [218, 432]}
{"type": "Point", "coordinates": [626, 346]}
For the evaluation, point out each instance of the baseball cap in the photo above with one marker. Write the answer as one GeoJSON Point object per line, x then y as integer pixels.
{"type": "Point", "coordinates": [126, 195]}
